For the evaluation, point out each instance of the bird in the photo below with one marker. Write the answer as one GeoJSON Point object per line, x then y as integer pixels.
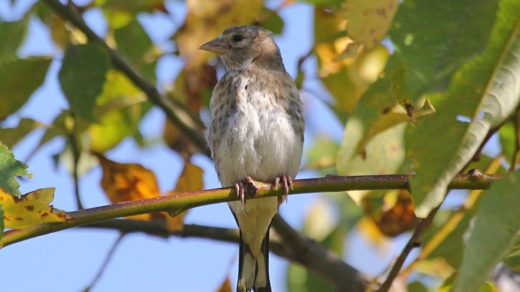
{"type": "Point", "coordinates": [255, 132]}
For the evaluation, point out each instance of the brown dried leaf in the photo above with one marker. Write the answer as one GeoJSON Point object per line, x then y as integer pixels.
{"type": "Point", "coordinates": [127, 181]}
{"type": "Point", "coordinates": [396, 217]}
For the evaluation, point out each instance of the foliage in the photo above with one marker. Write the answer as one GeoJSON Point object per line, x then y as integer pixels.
{"type": "Point", "coordinates": [420, 87]}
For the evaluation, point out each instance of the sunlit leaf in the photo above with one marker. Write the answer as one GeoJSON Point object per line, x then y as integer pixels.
{"type": "Point", "coordinates": [369, 21]}
{"type": "Point", "coordinates": [10, 168]}
{"type": "Point", "coordinates": [13, 33]}
{"type": "Point", "coordinates": [127, 181]}
{"type": "Point", "coordinates": [486, 91]}
{"type": "Point", "coordinates": [346, 80]}
{"type": "Point", "coordinates": [406, 79]}
{"type": "Point", "coordinates": [30, 209]}
{"type": "Point", "coordinates": [82, 76]}
{"type": "Point", "coordinates": [370, 231]}
{"type": "Point", "coordinates": [508, 140]}
{"type": "Point", "coordinates": [322, 153]}
{"type": "Point", "coordinates": [19, 78]}
{"type": "Point", "coordinates": [121, 106]}
{"type": "Point", "coordinates": [11, 136]}
{"type": "Point", "coordinates": [492, 234]}
{"type": "Point", "coordinates": [384, 154]}
{"type": "Point", "coordinates": [132, 6]}
{"type": "Point", "coordinates": [206, 19]}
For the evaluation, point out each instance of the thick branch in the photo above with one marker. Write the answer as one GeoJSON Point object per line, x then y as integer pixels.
{"type": "Point", "coordinates": [184, 201]}
{"type": "Point", "coordinates": [176, 114]}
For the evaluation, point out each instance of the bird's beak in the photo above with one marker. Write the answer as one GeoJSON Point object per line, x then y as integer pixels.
{"type": "Point", "coordinates": [216, 46]}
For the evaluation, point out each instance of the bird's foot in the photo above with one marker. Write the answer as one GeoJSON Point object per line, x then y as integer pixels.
{"type": "Point", "coordinates": [244, 188]}
{"type": "Point", "coordinates": [287, 184]}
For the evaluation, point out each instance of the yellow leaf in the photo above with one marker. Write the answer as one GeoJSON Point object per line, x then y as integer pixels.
{"type": "Point", "coordinates": [370, 231]}
{"type": "Point", "coordinates": [345, 79]}
{"type": "Point", "coordinates": [369, 20]}
{"type": "Point", "coordinates": [30, 209]}
{"type": "Point", "coordinates": [127, 181]}
{"type": "Point", "coordinates": [190, 180]}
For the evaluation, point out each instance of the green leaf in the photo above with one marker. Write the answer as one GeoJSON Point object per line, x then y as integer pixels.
{"type": "Point", "coordinates": [512, 260]}
{"type": "Point", "coordinates": [507, 136]}
{"type": "Point", "coordinates": [121, 107]}
{"type": "Point", "coordinates": [19, 78]}
{"type": "Point", "coordinates": [452, 246]}
{"type": "Point", "coordinates": [14, 34]}
{"type": "Point", "coordinates": [1, 223]}
{"type": "Point", "coordinates": [435, 37]}
{"type": "Point", "coordinates": [322, 153]}
{"type": "Point", "coordinates": [384, 154]}
{"type": "Point", "coordinates": [324, 3]}
{"type": "Point", "coordinates": [83, 75]}
{"type": "Point", "coordinates": [135, 45]}
{"type": "Point", "coordinates": [10, 168]}
{"type": "Point", "coordinates": [494, 231]}
{"type": "Point", "coordinates": [485, 91]}
{"type": "Point", "coordinates": [407, 79]}
{"type": "Point", "coordinates": [11, 136]}
{"type": "Point", "coordinates": [272, 21]}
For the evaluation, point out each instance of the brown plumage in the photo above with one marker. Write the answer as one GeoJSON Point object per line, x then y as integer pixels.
{"type": "Point", "coordinates": [255, 132]}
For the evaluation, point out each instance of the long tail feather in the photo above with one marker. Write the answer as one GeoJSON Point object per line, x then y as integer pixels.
{"type": "Point", "coordinates": [253, 273]}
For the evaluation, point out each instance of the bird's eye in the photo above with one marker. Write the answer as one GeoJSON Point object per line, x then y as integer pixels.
{"type": "Point", "coordinates": [237, 37]}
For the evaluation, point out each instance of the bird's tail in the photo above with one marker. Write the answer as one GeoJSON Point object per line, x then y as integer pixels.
{"type": "Point", "coordinates": [253, 273]}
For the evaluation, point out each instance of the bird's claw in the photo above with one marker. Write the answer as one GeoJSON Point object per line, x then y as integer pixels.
{"type": "Point", "coordinates": [245, 187]}
{"type": "Point", "coordinates": [287, 185]}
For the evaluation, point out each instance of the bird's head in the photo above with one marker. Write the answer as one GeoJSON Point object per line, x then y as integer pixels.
{"type": "Point", "coordinates": [240, 46]}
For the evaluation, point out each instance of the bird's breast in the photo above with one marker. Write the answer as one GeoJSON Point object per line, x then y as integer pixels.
{"type": "Point", "coordinates": [256, 135]}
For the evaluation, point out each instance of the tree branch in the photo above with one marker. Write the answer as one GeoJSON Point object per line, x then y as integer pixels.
{"type": "Point", "coordinates": [286, 242]}
{"type": "Point", "coordinates": [181, 202]}
{"type": "Point", "coordinates": [178, 115]}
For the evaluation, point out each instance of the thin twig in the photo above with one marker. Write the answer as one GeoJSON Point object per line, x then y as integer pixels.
{"type": "Point", "coordinates": [105, 263]}
{"type": "Point", "coordinates": [415, 241]}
